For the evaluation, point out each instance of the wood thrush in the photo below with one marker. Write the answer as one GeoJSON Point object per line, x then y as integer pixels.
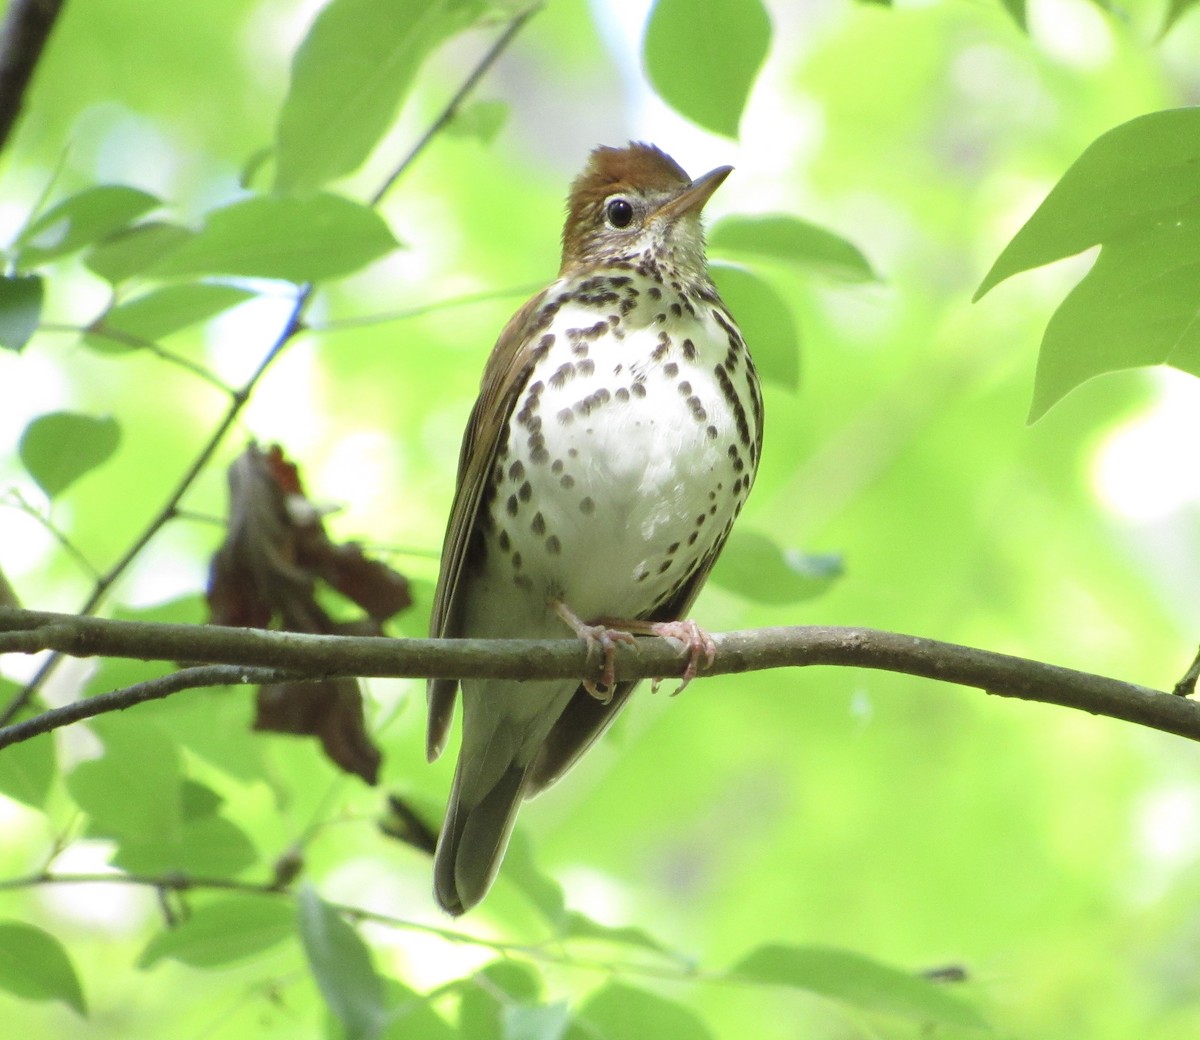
{"type": "Point", "coordinates": [615, 438]}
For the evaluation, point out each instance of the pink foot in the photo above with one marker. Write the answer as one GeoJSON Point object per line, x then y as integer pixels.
{"type": "Point", "coordinates": [696, 643]}
{"type": "Point", "coordinates": [604, 637]}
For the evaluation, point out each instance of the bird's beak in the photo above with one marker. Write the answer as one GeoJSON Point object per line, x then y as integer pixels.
{"type": "Point", "coordinates": [695, 195]}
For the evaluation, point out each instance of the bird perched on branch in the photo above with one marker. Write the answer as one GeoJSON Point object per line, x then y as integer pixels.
{"type": "Point", "coordinates": [615, 439]}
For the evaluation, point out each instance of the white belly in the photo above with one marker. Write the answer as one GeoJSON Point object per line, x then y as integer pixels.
{"type": "Point", "coordinates": [624, 466]}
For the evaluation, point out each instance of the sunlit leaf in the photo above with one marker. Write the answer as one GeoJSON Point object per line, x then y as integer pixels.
{"type": "Point", "coordinates": [341, 965]}
{"type": "Point", "coordinates": [349, 77]}
{"type": "Point", "coordinates": [1133, 192]}
{"type": "Point", "coordinates": [1127, 182]}
{"type": "Point", "coordinates": [228, 929]}
{"type": "Point", "coordinates": [27, 769]}
{"type": "Point", "coordinates": [486, 994]}
{"type": "Point", "coordinates": [410, 1016]}
{"type": "Point", "coordinates": [704, 62]}
{"type": "Point", "coordinates": [160, 312]}
{"type": "Point", "coordinates": [210, 845]}
{"type": "Point", "coordinates": [766, 323]}
{"type": "Point", "coordinates": [757, 567]}
{"type": "Point", "coordinates": [580, 926]}
{"type": "Point", "coordinates": [60, 447]}
{"type": "Point", "coordinates": [131, 250]}
{"type": "Point", "coordinates": [81, 220]}
{"type": "Point", "coordinates": [618, 1010]}
{"type": "Point", "coordinates": [20, 309]}
{"type": "Point", "coordinates": [298, 240]}
{"type": "Point", "coordinates": [35, 966]}
{"type": "Point", "coordinates": [794, 241]}
{"type": "Point", "coordinates": [857, 980]}
{"type": "Point", "coordinates": [535, 1021]}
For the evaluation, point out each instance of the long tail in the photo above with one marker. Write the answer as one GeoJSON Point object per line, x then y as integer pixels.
{"type": "Point", "coordinates": [474, 838]}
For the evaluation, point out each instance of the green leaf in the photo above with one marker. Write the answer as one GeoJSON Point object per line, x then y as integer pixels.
{"type": "Point", "coordinates": [1134, 192]}
{"type": "Point", "coordinates": [60, 447]}
{"type": "Point", "coordinates": [349, 77]}
{"type": "Point", "coordinates": [1176, 9]}
{"type": "Point", "coordinates": [1016, 10]}
{"type": "Point", "coordinates": [1129, 180]}
{"type": "Point", "coordinates": [210, 845]}
{"type": "Point", "coordinates": [766, 323]}
{"type": "Point", "coordinates": [755, 566]}
{"type": "Point", "coordinates": [131, 250]}
{"type": "Point", "coordinates": [27, 769]}
{"type": "Point", "coordinates": [410, 1017]}
{"type": "Point", "coordinates": [228, 929]}
{"type": "Point", "coordinates": [297, 240]}
{"type": "Point", "coordinates": [580, 926]}
{"type": "Point", "coordinates": [793, 241]}
{"type": "Point", "coordinates": [20, 309]}
{"type": "Point", "coordinates": [703, 64]}
{"type": "Point", "coordinates": [1137, 306]}
{"type": "Point", "coordinates": [34, 965]}
{"type": "Point", "coordinates": [341, 965]}
{"type": "Point", "coordinates": [857, 980]}
{"type": "Point", "coordinates": [618, 1010]}
{"type": "Point", "coordinates": [486, 994]}
{"type": "Point", "coordinates": [481, 120]}
{"type": "Point", "coordinates": [160, 312]}
{"type": "Point", "coordinates": [133, 790]}
{"type": "Point", "coordinates": [535, 1021]}
{"type": "Point", "coordinates": [539, 888]}
{"type": "Point", "coordinates": [81, 220]}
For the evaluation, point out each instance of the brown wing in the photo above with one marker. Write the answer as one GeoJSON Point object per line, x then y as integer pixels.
{"type": "Point", "coordinates": [504, 377]}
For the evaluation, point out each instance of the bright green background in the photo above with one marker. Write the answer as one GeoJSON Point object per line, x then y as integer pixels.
{"type": "Point", "coordinates": [1051, 854]}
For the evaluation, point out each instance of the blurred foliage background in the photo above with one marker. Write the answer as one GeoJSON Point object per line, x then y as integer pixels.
{"type": "Point", "coordinates": [1052, 855]}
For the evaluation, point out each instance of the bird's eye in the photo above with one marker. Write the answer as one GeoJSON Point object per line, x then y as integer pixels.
{"type": "Point", "coordinates": [619, 212]}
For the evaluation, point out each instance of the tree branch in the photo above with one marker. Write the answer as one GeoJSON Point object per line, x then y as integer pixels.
{"type": "Point", "coordinates": [23, 36]}
{"type": "Point", "coordinates": [316, 657]}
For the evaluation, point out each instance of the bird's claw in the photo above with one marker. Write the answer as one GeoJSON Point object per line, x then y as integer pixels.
{"type": "Point", "coordinates": [696, 642]}
{"type": "Point", "coordinates": [607, 639]}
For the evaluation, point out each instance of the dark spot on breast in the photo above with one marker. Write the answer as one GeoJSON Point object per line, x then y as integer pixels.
{"type": "Point", "coordinates": [538, 454]}
{"type": "Point", "coordinates": [689, 350]}
{"type": "Point", "coordinates": [685, 388]}
{"type": "Point", "coordinates": [503, 541]}
{"type": "Point", "coordinates": [622, 394]}
{"type": "Point", "coordinates": [566, 416]}
{"type": "Point", "coordinates": [711, 433]}
{"type": "Point", "coordinates": [511, 505]}
{"type": "Point", "coordinates": [553, 545]}
{"type": "Point", "coordinates": [567, 481]}
{"type": "Point", "coordinates": [664, 566]}
{"type": "Point", "coordinates": [672, 548]}
{"type": "Point", "coordinates": [676, 310]}
{"type": "Point", "coordinates": [692, 537]}
{"type": "Point", "coordinates": [538, 526]}
{"type": "Point", "coordinates": [525, 491]}
{"type": "Point", "coordinates": [698, 412]}
{"type": "Point", "coordinates": [517, 470]}
{"type": "Point", "coordinates": [516, 560]}
{"type": "Point", "coordinates": [639, 389]}
{"type": "Point", "coordinates": [586, 506]}
{"type": "Point", "coordinates": [556, 466]}
{"type": "Point", "coordinates": [564, 372]}
{"type": "Point", "coordinates": [585, 368]}
{"type": "Point", "coordinates": [670, 370]}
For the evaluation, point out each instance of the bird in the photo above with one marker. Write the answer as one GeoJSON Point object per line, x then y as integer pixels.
{"type": "Point", "coordinates": [614, 440]}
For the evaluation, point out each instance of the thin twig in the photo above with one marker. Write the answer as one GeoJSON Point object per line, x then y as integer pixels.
{"type": "Point", "coordinates": [313, 657]}
{"type": "Point", "coordinates": [27, 26]}
{"type": "Point", "coordinates": [290, 328]}
{"type": "Point", "coordinates": [460, 95]}
{"type": "Point", "coordinates": [15, 500]}
{"type": "Point", "coordinates": [466, 300]}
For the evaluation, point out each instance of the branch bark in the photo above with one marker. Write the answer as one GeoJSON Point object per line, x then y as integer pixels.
{"type": "Point", "coordinates": [23, 36]}
{"type": "Point", "coordinates": [257, 656]}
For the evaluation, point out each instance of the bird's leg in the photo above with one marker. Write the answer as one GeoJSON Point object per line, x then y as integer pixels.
{"type": "Point", "coordinates": [597, 635]}
{"type": "Point", "coordinates": [697, 643]}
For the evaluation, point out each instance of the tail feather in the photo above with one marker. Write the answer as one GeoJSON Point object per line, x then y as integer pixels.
{"type": "Point", "coordinates": [474, 838]}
